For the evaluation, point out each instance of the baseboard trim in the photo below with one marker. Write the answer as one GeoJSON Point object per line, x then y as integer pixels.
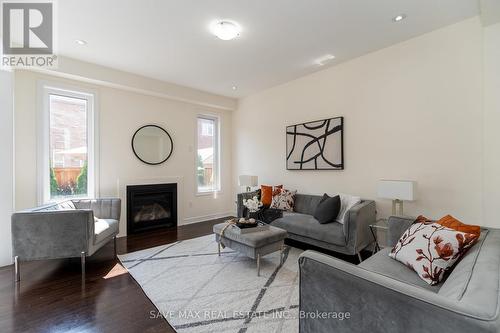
{"type": "Point", "coordinates": [196, 219]}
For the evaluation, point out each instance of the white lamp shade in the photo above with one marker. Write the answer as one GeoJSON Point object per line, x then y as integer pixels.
{"type": "Point", "coordinates": [397, 189]}
{"type": "Point", "coordinates": [246, 180]}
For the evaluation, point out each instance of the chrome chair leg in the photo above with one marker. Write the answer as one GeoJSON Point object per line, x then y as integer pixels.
{"type": "Point", "coordinates": [258, 264]}
{"type": "Point", "coordinates": [17, 270]}
{"type": "Point", "coordinates": [114, 241]}
{"type": "Point", "coordinates": [360, 258]}
{"type": "Point", "coordinates": [82, 259]}
{"type": "Point", "coordinates": [282, 254]}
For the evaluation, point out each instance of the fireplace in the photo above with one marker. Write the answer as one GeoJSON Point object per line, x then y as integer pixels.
{"type": "Point", "coordinates": [151, 206]}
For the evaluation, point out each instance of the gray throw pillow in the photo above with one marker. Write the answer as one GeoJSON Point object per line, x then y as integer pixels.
{"type": "Point", "coordinates": [327, 209]}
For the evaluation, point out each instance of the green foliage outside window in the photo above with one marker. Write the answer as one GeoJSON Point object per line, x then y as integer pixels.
{"type": "Point", "coordinates": [81, 180]}
{"type": "Point", "coordinates": [78, 188]}
{"type": "Point", "coordinates": [54, 187]}
{"type": "Point", "coordinates": [200, 172]}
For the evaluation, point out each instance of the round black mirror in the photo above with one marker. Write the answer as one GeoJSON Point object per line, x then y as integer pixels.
{"type": "Point", "coordinates": [152, 144]}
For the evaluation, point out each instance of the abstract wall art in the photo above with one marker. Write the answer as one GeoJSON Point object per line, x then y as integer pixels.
{"type": "Point", "coordinates": [316, 145]}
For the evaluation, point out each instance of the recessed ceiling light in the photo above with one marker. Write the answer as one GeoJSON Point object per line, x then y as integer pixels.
{"type": "Point", "coordinates": [398, 18]}
{"type": "Point", "coordinates": [324, 59]}
{"type": "Point", "coordinates": [225, 29]}
{"type": "Point", "coordinates": [81, 42]}
{"type": "Point", "coordinates": [234, 87]}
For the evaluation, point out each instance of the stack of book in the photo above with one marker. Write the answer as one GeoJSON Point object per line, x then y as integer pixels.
{"type": "Point", "coordinates": [260, 227]}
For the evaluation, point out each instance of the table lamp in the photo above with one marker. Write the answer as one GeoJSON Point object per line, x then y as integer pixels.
{"type": "Point", "coordinates": [248, 181]}
{"type": "Point", "coordinates": [398, 191]}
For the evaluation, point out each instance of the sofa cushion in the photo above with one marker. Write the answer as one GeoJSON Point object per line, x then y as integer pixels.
{"type": "Point", "coordinates": [382, 264]}
{"type": "Point", "coordinates": [306, 204]}
{"type": "Point", "coordinates": [103, 228]}
{"type": "Point", "coordinates": [480, 293]}
{"type": "Point", "coordinates": [456, 283]}
{"type": "Point", "coordinates": [328, 209]}
{"type": "Point", "coordinates": [307, 226]}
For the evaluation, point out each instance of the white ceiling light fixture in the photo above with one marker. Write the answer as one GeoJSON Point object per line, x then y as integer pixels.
{"type": "Point", "coordinates": [322, 61]}
{"type": "Point", "coordinates": [225, 29]}
{"type": "Point", "coordinates": [234, 87]}
{"type": "Point", "coordinates": [399, 18]}
{"type": "Point", "coordinates": [81, 42]}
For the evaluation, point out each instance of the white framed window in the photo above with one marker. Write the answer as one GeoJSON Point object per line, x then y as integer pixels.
{"type": "Point", "coordinates": [67, 143]}
{"type": "Point", "coordinates": [207, 129]}
{"type": "Point", "coordinates": [207, 154]}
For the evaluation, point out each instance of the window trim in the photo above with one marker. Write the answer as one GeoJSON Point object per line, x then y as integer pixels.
{"type": "Point", "coordinates": [44, 89]}
{"type": "Point", "coordinates": [217, 154]}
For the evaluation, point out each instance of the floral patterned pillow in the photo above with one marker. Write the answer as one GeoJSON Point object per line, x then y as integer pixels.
{"type": "Point", "coordinates": [431, 249]}
{"type": "Point", "coordinates": [284, 200]}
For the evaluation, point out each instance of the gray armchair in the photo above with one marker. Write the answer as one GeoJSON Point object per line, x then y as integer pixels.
{"type": "Point", "coordinates": [73, 228]}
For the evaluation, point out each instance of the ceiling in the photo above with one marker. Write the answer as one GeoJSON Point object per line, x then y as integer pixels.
{"type": "Point", "coordinates": [170, 40]}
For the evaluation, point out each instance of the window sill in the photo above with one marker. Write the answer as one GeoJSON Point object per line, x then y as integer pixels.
{"type": "Point", "coordinates": [66, 198]}
{"type": "Point", "coordinates": [209, 193]}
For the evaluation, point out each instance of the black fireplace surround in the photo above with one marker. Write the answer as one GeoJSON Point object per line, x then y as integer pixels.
{"type": "Point", "coordinates": [151, 207]}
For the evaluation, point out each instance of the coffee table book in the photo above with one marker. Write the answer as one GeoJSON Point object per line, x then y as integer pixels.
{"type": "Point", "coordinates": [260, 227]}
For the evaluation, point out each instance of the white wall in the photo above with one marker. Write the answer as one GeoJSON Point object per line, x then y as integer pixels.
{"type": "Point", "coordinates": [411, 111]}
{"type": "Point", "coordinates": [81, 71]}
{"type": "Point", "coordinates": [492, 124]}
{"type": "Point", "coordinates": [6, 165]}
{"type": "Point", "coordinates": [121, 113]}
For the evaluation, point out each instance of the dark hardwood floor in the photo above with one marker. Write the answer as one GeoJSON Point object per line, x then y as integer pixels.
{"type": "Point", "coordinates": [52, 297]}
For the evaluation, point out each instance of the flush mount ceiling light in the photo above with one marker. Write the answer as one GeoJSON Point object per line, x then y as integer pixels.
{"type": "Point", "coordinates": [81, 42]}
{"type": "Point", "coordinates": [322, 61]}
{"type": "Point", "coordinates": [399, 18]}
{"type": "Point", "coordinates": [225, 29]}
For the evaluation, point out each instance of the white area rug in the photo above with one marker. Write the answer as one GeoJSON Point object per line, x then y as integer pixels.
{"type": "Point", "coordinates": [198, 291]}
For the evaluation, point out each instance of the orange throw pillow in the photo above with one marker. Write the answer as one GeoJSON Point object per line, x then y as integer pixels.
{"type": "Point", "coordinates": [452, 223]}
{"type": "Point", "coordinates": [267, 193]}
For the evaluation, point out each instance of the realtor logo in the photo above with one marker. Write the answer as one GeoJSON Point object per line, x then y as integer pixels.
{"type": "Point", "coordinates": [28, 34]}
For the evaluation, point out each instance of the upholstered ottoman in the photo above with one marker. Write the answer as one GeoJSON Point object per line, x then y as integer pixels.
{"type": "Point", "coordinates": [254, 244]}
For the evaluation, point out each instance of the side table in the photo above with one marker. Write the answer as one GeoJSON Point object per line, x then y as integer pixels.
{"type": "Point", "coordinates": [380, 224]}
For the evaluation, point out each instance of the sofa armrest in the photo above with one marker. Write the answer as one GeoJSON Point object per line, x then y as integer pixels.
{"type": "Point", "coordinates": [51, 234]}
{"type": "Point", "coordinates": [376, 303]}
{"type": "Point", "coordinates": [106, 208]}
{"type": "Point", "coordinates": [242, 210]}
{"type": "Point", "coordinates": [357, 225]}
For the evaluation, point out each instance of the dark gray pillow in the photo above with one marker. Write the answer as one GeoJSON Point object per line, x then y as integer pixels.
{"type": "Point", "coordinates": [327, 209]}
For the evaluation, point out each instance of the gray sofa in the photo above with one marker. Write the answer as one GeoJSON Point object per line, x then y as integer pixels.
{"type": "Point", "coordinates": [383, 295]}
{"type": "Point", "coordinates": [348, 238]}
{"type": "Point", "coordinates": [64, 230]}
